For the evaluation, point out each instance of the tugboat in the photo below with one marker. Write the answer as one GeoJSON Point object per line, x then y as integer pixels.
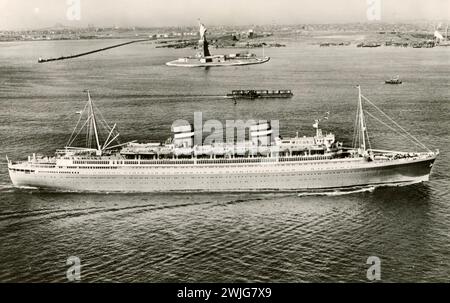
{"type": "Point", "coordinates": [256, 94]}
{"type": "Point", "coordinates": [205, 59]}
{"type": "Point", "coordinates": [394, 80]}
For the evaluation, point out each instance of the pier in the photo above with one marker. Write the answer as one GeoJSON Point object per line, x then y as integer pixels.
{"type": "Point", "coordinates": [43, 60]}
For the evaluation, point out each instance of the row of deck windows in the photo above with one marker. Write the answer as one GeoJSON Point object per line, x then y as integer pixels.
{"type": "Point", "coordinates": [203, 161]}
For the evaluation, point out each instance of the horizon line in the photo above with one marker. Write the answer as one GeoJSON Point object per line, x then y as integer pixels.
{"type": "Point", "coordinates": [81, 26]}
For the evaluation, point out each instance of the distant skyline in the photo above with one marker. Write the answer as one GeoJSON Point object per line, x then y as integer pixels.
{"type": "Point", "coordinates": [26, 14]}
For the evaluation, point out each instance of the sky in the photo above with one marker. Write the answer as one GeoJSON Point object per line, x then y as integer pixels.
{"type": "Point", "coordinates": [30, 14]}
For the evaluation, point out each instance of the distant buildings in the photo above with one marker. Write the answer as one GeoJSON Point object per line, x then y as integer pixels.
{"type": "Point", "coordinates": [236, 33]}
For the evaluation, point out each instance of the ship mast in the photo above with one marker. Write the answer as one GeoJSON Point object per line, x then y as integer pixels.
{"type": "Point", "coordinates": [94, 124]}
{"type": "Point", "coordinates": [361, 119]}
{"type": "Point", "coordinates": [91, 125]}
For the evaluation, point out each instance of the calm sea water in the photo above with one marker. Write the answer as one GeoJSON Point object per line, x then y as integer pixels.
{"type": "Point", "coordinates": [283, 237]}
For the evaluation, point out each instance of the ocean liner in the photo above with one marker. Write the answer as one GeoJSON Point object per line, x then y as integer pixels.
{"type": "Point", "coordinates": [263, 162]}
{"type": "Point", "coordinates": [205, 59]}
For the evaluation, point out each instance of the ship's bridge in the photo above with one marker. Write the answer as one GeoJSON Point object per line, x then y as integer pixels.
{"type": "Point", "coordinates": [319, 141]}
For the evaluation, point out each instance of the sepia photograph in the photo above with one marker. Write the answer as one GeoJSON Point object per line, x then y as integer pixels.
{"type": "Point", "coordinates": [228, 142]}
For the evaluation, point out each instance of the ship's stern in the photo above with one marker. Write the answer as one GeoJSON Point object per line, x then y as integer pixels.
{"type": "Point", "coordinates": [12, 173]}
{"type": "Point", "coordinates": [19, 173]}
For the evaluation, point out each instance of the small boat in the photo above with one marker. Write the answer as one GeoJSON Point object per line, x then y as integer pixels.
{"type": "Point", "coordinates": [394, 80]}
{"type": "Point", "coordinates": [256, 94]}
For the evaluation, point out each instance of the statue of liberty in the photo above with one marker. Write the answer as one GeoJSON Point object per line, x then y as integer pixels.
{"type": "Point", "coordinates": [203, 43]}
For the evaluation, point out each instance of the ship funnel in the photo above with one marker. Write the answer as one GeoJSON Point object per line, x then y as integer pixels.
{"type": "Point", "coordinates": [183, 136]}
{"type": "Point", "coordinates": [261, 134]}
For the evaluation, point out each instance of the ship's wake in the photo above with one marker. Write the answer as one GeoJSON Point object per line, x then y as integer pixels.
{"type": "Point", "coordinates": [352, 190]}
{"type": "Point", "coordinates": [338, 192]}
{"type": "Point", "coordinates": [6, 188]}
{"type": "Point", "coordinates": [311, 192]}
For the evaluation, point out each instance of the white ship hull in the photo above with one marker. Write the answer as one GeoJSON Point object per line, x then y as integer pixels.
{"type": "Point", "coordinates": [259, 164]}
{"type": "Point", "coordinates": [269, 176]}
